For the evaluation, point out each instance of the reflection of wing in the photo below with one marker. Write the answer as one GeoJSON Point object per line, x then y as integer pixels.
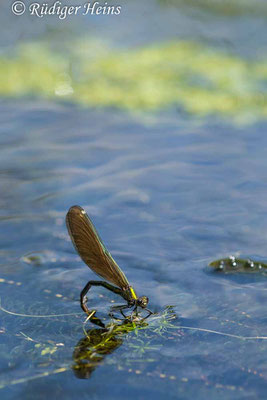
{"type": "Point", "coordinates": [91, 248]}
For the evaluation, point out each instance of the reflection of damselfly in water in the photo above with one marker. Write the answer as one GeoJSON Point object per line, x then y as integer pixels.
{"type": "Point", "coordinates": [94, 253]}
{"type": "Point", "coordinates": [91, 350]}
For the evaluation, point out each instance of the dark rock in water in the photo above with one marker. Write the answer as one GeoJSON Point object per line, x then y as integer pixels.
{"type": "Point", "coordinates": [233, 264]}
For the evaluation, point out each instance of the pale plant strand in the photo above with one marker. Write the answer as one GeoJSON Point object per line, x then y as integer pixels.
{"type": "Point", "coordinates": [31, 378]}
{"type": "Point", "coordinates": [224, 334]}
{"type": "Point", "coordinates": [36, 316]}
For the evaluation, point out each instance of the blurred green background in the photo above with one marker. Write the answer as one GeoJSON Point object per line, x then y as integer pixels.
{"type": "Point", "coordinates": [201, 57]}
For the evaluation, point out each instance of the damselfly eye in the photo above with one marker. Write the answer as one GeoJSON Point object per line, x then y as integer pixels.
{"type": "Point", "coordinates": [143, 301]}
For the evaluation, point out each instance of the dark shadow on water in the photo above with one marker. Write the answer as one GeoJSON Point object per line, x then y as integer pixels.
{"type": "Point", "coordinates": [98, 343]}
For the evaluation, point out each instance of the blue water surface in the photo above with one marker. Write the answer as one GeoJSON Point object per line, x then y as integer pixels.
{"type": "Point", "coordinates": [167, 192]}
{"type": "Point", "coordinates": [167, 195]}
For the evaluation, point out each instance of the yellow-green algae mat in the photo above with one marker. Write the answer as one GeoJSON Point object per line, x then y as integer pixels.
{"type": "Point", "coordinates": [199, 79]}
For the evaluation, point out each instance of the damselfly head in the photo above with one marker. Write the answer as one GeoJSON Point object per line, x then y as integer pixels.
{"type": "Point", "coordinates": [142, 301]}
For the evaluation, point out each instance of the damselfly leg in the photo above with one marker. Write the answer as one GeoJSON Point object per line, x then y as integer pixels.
{"type": "Point", "coordinates": [120, 309]}
{"type": "Point", "coordinates": [83, 298]}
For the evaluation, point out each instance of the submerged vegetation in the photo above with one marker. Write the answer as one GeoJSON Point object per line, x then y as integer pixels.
{"type": "Point", "coordinates": [198, 79]}
{"type": "Point", "coordinates": [49, 351]}
{"type": "Point", "coordinates": [98, 343]}
{"type": "Point", "coordinates": [51, 356]}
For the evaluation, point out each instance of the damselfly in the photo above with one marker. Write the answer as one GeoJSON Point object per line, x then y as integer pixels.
{"type": "Point", "coordinates": [94, 253]}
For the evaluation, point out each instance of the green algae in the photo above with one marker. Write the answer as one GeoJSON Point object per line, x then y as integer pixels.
{"type": "Point", "coordinates": [196, 78]}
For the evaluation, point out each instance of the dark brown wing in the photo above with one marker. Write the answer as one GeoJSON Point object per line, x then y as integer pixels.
{"type": "Point", "coordinates": [91, 248]}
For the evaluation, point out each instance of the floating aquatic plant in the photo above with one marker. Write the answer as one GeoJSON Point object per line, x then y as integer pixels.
{"type": "Point", "coordinates": [234, 264]}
